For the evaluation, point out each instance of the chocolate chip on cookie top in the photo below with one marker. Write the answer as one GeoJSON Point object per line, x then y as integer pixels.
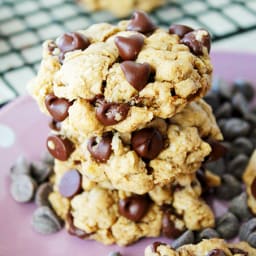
{"type": "Point", "coordinates": [216, 252]}
{"type": "Point", "coordinates": [168, 226]}
{"type": "Point", "coordinates": [136, 74]}
{"type": "Point", "coordinates": [180, 30]}
{"type": "Point", "coordinates": [147, 142]}
{"type": "Point", "coordinates": [59, 147]}
{"type": "Point", "coordinates": [70, 183]}
{"type": "Point", "coordinates": [141, 22]}
{"type": "Point", "coordinates": [57, 107]}
{"type": "Point", "coordinates": [100, 148]}
{"type": "Point", "coordinates": [134, 207]}
{"type": "Point", "coordinates": [155, 245]}
{"type": "Point", "coordinates": [129, 47]}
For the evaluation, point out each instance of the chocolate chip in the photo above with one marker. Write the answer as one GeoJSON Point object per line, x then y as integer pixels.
{"type": "Point", "coordinates": [136, 74]}
{"type": "Point", "coordinates": [41, 171]}
{"type": "Point", "coordinates": [168, 226]}
{"type": "Point", "coordinates": [73, 230]}
{"type": "Point", "coordinates": [114, 254]}
{"type": "Point", "coordinates": [238, 251]}
{"type": "Point", "coordinates": [147, 142]}
{"type": "Point", "coordinates": [208, 233]}
{"type": "Point", "coordinates": [243, 145]}
{"type": "Point", "coordinates": [134, 207]}
{"type": "Point", "coordinates": [155, 245]}
{"type": "Point", "coordinates": [212, 98]}
{"type": "Point", "coordinates": [253, 188]}
{"type": "Point", "coordinates": [239, 207]}
{"type": "Point", "coordinates": [227, 225]}
{"type": "Point", "coordinates": [21, 166]}
{"type": "Point", "coordinates": [111, 113]}
{"type": "Point", "coordinates": [100, 149]}
{"type": "Point", "coordinates": [216, 252]}
{"type": "Point", "coordinates": [45, 221]}
{"type": "Point", "coordinates": [218, 150]}
{"type": "Point", "coordinates": [187, 237]}
{"type": "Point", "coordinates": [141, 22]}
{"type": "Point", "coordinates": [240, 104]}
{"type": "Point", "coordinates": [197, 40]}
{"type": "Point", "coordinates": [57, 107]}
{"type": "Point", "coordinates": [55, 125]}
{"type": "Point", "coordinates": [244, 87]}
{"type": "Point", "coordinates": [129, 47]}
{"type": "Point", "coordinates": [247, 228]}
{"type": "Point", "coordinates": [218, 167]}
{"type": "Point", "coordinates": [252, 239]}
{"type": "Point", "coordinates": [59, 147]}
{"type": "Point", "coordinates": [237, 165]}
{"type": "Point", "coordinates": [179, 30]}
{"type": "Point", "coordinates": [23, 188]}
{"type": "Point", "coordinates": [70, 183]}
{"type": "Point", "coordinates": [224, 110]}
{"type": "Point", "coordinates": [229, 188]}
{"type": "Point", "coordinates": [42, 193]}
{"type": "Point", "coordinates": [72, 41]}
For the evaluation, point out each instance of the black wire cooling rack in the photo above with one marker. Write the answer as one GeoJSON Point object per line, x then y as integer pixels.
{"type": "Point", "coordinates": [25, 24]}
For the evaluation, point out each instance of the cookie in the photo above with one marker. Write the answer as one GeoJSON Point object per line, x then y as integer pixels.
{"type": "Point", "coordinates": [115, 216]}
{"type": "Point", "coordinates": [249, 178]}
{"type": "Point", "coordinates": [124, 74]}
{"type": "Point", "coordinates": [122, 8]}
{"type": "Point", "coordinates": [209, 247]}
{"type": "Point", "coordinates": [153, 155]}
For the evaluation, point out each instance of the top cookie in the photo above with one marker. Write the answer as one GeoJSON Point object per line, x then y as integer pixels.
{"type": "Point", "coordinates": [116, 68]}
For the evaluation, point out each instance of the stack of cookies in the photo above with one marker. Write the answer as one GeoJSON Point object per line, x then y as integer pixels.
{"type": "Point", "coordinates": [129, 130]}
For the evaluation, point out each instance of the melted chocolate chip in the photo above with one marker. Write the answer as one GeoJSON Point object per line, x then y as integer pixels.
{"type": "Point", "coordinates": [197, 40]}
{"type": "Point", "coordinates": [180, 30]}
{"type": "Point", "coordinates": [59, 147]}
{"type": "Point", "coordinates": [55, 125]}
{"type": "Point", "coordinates": [218, 150]}
{"type": "Point", "coordinates": [141, 22]}
{"type": "Point", "coordinates": [100, 150]}
{"type": "Point", "coordinates": [168, 227]}
{"type": "Point", "coordinates": [238, 251]}
{"type": "Point", "coordinates": [136, 74]}
{"type": "Point", "coordinates": [70, 183]}
{"type": "Point", "coordinates": [111, 113]}
{"type": "Point", "coordinates": [74, 231]}
{"type": "Point", "coordinates": [253, 188]}
{"type": "Point", "coordinates": [147, 142]}
{"type": "Point", "coordinates": [134, 207]}
{"type": "Point", "coordinates": [216, 252]}
{"type": "Point", "coordinates": [155, 245]}
{"type": "Point", "coordinates": [129, 47]}
{"type": "Point", "coordinates": [57, 107]}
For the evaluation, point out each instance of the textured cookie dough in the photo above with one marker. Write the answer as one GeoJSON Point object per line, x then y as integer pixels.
{"type": "Point", "coordinates": [185, 147]}
{"type": "Point", "coordinates": [96, 210]}
{"type": "Point", "coordinates": [157, 75]}
{"type": "Point", "coordinates": [249, 179]}
{"type": "Point", "coordinates": [121, 8]}
{"type": "Point", "coordinates": [211, 247]}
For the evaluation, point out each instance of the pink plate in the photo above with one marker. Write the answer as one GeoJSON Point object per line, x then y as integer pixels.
{"type": "Point", "coordinates": [23, 130]}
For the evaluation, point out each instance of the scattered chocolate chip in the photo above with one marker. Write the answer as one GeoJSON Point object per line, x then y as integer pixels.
{"type": "Point", "coordinates": [136, 74]}
{"type": "Point", "coordinates": [111, 113]}
{"type": "Point", "coordinates": [141, 22]}
{"type": "Point", "coordinates": [73, 230]}
{"type": "Point", "coordinates": [100, 148]}
{"type": "Point", "coordinates": [57, 107]}
{"type": "Point", "coordinates": [216, 252]}
{"type": "Point", "coordinates": [208, 233]}
{"type": "Point", "coordinates": [224, 110]}
{"type": "Point", "coordinates": [45, 221]}
{"type": "Point", "coordinates": [240, 104]}
{"type": "Point", "coordinates": [243, 145]}
{"type": "Point", "coordinates": [70, 183]}
{"type": "Point", "coordinates": [41, 171]}
{"type": "Point", "coordinates": [59, 147]}
{"type": "Point", "coordinates": [134, 207]}
{"type": "Point", "coordinates": [187, 237]}
{"type": "Point", "coordinates": [212, 98]}
{"type": "Point", "coordinates": [238, 251]}
{"type": "Point", "coordinates": [252, 239]}
{"type": "Point", "coordinates": [147, 142]}
{"type": "Point", "coordinates": [55, 125]}
{"type": "Point", "coordinates": [114, 254]}
{"type": "Point", "coordinates": [72, 41]}
{"type": "Point", "coordinates": [200, 175]}
{"type": "Point", "coordinates": [42, 193]}
{"type": "Point", "coordinates": [129, 47]}
{"type": "Point", "coordinates": [237, 165]}
{"type": "Point", "coordinates": [180, 30]}
{"type": "Point", "coordinates": [245, 88]}
{"type": "Point", "coordinates": [239, 207]}
{"type": "Point", "coordinates": [218, 167]}
{"type": "Point", "coordinates": [227, 225]}
{"type": "Point", "coordinates": [21, 166]}
{"type": "Point", "coordinates": [218, 150]}
{"type": "Point", "coordinates": [23, 188]}
{"type": "Point", "coordinates": [155, 245]}
{"type": "Point", "coordinates": [247, 228]}
{"type": "Point", "coordinates": [229, 188]}
{"type": "Point", "coordinates": [253, 188]}
{"type": "Point", "coordinates": [197, 40]}
{"type": "Point", "coordinates": [168, 226]}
